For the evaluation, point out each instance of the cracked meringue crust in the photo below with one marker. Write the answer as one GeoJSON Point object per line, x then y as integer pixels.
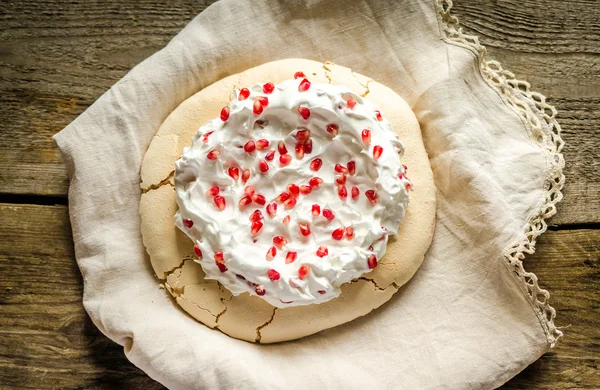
{"type": "Point", "coordinates": [249, 317]}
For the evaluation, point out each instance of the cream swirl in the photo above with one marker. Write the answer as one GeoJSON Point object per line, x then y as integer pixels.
{"type": "Point", "coordinates": [292, 191]}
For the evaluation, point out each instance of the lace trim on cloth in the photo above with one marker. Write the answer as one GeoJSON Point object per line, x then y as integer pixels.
{"type": "Point", "coordinates": [540, 118]}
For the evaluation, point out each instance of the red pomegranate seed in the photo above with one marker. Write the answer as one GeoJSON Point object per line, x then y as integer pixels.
{"type": "Point", "coordinates": [304, 228]}
{"type": "Point", "coordinates": [213, 191]}
{"type": "Point", "coordinates": [293, 189]}
{"type": "Point", "coordinates": [333, 129]}
{"type": "Point", "coordinates": [282, 197]}
{"type": "Point", "coordinates": [281, 147]}
{"type": "Point", "coordinates": [291, 257]}
{"type": "Point", "coordinates": [342, 192]}
{"type": "Point", "coordinates": [197, 251]}
{"type": "Point", "coordinates": [355, 192]}
{"type": "Point", "coordinates": [349, 231]}
{"type": "Point", "coordinates": [249, 146]}
{"type": "Point", "coordinates": [244, 93]}
{"type": "Point", "coordinates": [316, 210]}
{"type": "Point", "coordinates": [273, 275]}
{"type": "Point", "coordinates": [340, 168]}
{"type": "Point", "coordinates": [259, 199]}
{"type": "Point", "coordinates": [271, 252]}
{"type": "Point", "coordinates": [256, 216]}
{"type": "Point", "coordinates": [304, 85]}
{"type": "Point", "coordinates": [305, 190]}
{"type": "Point", "coordinates": [351, 167]}
{"type": "Point", "coordinates": [316, 164]}
{"type": "Point", "coordinates": [272, 209]}
{"type": "Point", "coordinates": [400, 176]}
{"type": "Point", "coordinates": [340, 179]}
{"type": "Point", "coordinates": [263, 100]}
{"type": "Point", "coordinates": [304, 112]}
{"type": "Point", "coordinates": [371, 248]}
{"type": "Point", "coordinates": [408, 186]}
{"type": "Point", "coordinates": [290, 202]}
{"type": "Point", "coordinates": [351, 103]}
{"type": "Point", "coordinates": [245, 201]}
{"type": "Point", "coordinates": [337, 234]}
{"type": "Point", "coordinates": [286, 220]}
{"type": "Point", "coordinates": [372, 261]}
{"type": "Point", "coordinates": [257, 108]}
{"type": "Point", "coordinates": [315, 182]}
{"type": "Point", "coordinates": [322, 292]}
{"type": "Point", "coordinates": [303, 271]}
{"type": "Point", "coordinates": [308, 146]}
{"type": "Point", "coordinates": [255, 228]}
{"type": "Point", "coordinates": [263, 166]}
{"type": "Point", "coordinates": [300, 151]}
{"type": "Point", "coordinates": [213, 154]}
{"type": "Point", "coordinates": [249, 190]}
{"type": "Point", "coordinates": [302, 135]}
{"type": "Point", "coordinates": [245, 175]}
{"type": "Point", "coordinates": [205, 137]}
{"type": "Point", "coordinates": [270, 156]}
{"type": "Point", "coordinates": [219, 257]}
{"type": "Point", "coordinates": [377, 150]}
{"type": "Point", "coordinates": [328, 214]}
{"type": "Point", "coordinates": [279, 241]}
{"type": "Point", "coordinates": [221, 267]}
{"type": "Point", "coordinates": [403, 166]}
{"type": "Point", "coordinates": [372, 196]}
{"type": "Point", "coordinates": [378, 115]}
{"type": "Point", "coordinates": [262, 144]}
{"type": "Point", "coordinates": [268, 88]}
{"type": "Point", "coordinates": [260, 290]}
{"type": "Point", "coordinates": [225, 113]}
{"type": "Point", "coordinates": [366, 136]}
{"type": "Point", "coordinates": [322, 251]}
{"type": "Point", "coordinates": [234, 173]}
{"type": "Point", "coordinates": [188, 223]}
{"type": "Point", "coordinates": [298, 75]}
{"type": "Point", "coordinates": [285, 159]}
{"type": "Point", "coordinates": [220, 202]}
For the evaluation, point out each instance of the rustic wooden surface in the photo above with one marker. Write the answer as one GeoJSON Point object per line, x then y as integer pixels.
{"type": "Point", "coordinates": [58, 56]}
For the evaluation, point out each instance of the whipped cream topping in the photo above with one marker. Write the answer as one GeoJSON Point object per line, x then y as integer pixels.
{"type": "Point", "coordinates": [292, 191]}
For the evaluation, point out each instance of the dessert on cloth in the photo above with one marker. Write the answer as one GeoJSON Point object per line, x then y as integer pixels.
{"type": "Point", "coordinates": [293, 190]}
{"type": "Point", "coordinates": [471, 316]}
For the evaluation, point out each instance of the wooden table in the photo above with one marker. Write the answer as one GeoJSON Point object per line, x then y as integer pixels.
{"type": "Point", "coordinates": [58, 56]}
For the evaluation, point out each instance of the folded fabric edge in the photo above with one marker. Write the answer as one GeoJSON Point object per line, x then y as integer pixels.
{"type": "Point", "coordinates": [540, 119]}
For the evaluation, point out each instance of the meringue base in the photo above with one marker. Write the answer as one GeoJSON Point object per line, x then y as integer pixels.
{"type": "Point", "coordinates": [251, 318]}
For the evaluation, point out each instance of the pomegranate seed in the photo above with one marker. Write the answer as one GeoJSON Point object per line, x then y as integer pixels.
{"type": "Point", "coordinates": [316, 164]}
{"type": "Point", "coordinates": [249, 190]}
{"type": "Point", "coordinates": [303, 271]}
{"type": "Point", "coordinates": [281, 147]}
{"type": "Point", "coordinates": [245, 175]}
{"type": "Point", "coordinates": [300, 151]}
{"type": "Point", "coordinates": [378, 115]}
{"type": "Point", "coordinates": [263, 100]}
{"type": "Point", "coordinates": [219, 257]}
{"type": "Point", "coordinates": [257, 108]}
{"type": "Point", "coordinates": [349, 231]}
{"type": "Point", "coordinates": [262, 144]}
{"type": "Point", "coordinates": [256, 216]}
{"type": "Point", "coordinates": [256, 226]}
{"type": "Point", "coordinates": [244, 93]}
{"type": "Point", "coordinates": [304, 85]}
{"type": "Point", "coordinates": [333, 129]}
{"type": "Point", "coordinates": [234, 173]}
{"type": "Point", "coordinates": [328, 214]}
{"type": "Point", "coordinates": [305, 190]}
{"type": "Point", "coordinates": [400, 176]}
{"type": "Point", "coordinates": [315, 182]}
{"type": "Point", "coordinates": [372, 196]}
{"type": "Point", "coordinates": [272, 209]}
{"type": "Point", "coordinates": [279, 241]}
{"type": "Point", "coordinates": [355, 192]}
{"type": "Point", "coordinates": [351, 167]}
{"type": "Point", "coordinates": [291, 257]}
{"type": "Point", "coordinates": [290, 202]}
{"type": "Point", "coordinates": [282, 197]}
{"type": "Point", "coordinates": [408, 186]}
{"type": "Point", "coordinates": [322, 292]}
{"type": "Point", "coordinates": [403, 166]}
{"type": "Point", "coordinates": [219, 202]}
{"type": "Point", "coordinates": [340, 168]}
{"type": "Point", "coordinates": [304, 229]}
{"type": "Point", "coordinates": [293, 189]}
{"type": "Point", "coordinates": [213, 191]}
{"type": "Point", "coordinates": [371, 248]}
{"type": "Point", "coordinates": [268, 88]}
{"type": "Point", "coordinates": [377, 150]}
{"type": "Point", "coordinates": [342, 192]}
{"type": "Point", "coordinates": [322, 251]}
{"type": "Point", "coordinates": [263, 166]}
{"type": "Point", "coordinates": [205, 137]}
{"type": "Point", "coordinates": [285, 159]}
{"type": "Point", "coordinates": [250, 146]}
{"type": "Point", "coordinates": [340, 179]}
{"type": "Point", "coordinates": [302, 135]}
{"type": "Point", "coordinates": [316, 210]}
{"type": "Point", "coordinates": [337, 234]}
{"type": "Point", "coordinates": [372, 261]}
{"type": "Point", "coordinates": [260, 291]}
{"type": "Point", "coordinates": [271, 253]}
{"type": "Point", "coordinates": [221, 267]}
{"type": "Point", "coordinates": [225, 113]}
{"type": "Point", "coordinates": [273, 275]}
{"type": "Point", "coordinates": [197, 251]}
{"type": "Point", "coordinates": [245, 201]}
{"type": "Point", "coordinates": [366, 136]}
{"type": "Point", "coordinates": [259, 199]}
{"type": "Point", "coordinates": [298, 75]}
{"type": "Point", "coordinates": [286, 220]}
{"type": "Point", "coordinates": [270, 156]}
{"type": "Point", "coordinates": [308, 146]}
{"type": "Point", "coordinates": [351, 103]}
{"type": "Point", "coordinates": [213, 154]}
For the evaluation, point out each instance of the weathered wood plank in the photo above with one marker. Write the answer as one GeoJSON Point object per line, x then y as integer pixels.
{"type": "Point", "coordinates": [48, 341]}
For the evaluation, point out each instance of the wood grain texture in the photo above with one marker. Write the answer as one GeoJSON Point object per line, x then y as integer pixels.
{"type": "Point", "coordinates": [48, 341]}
